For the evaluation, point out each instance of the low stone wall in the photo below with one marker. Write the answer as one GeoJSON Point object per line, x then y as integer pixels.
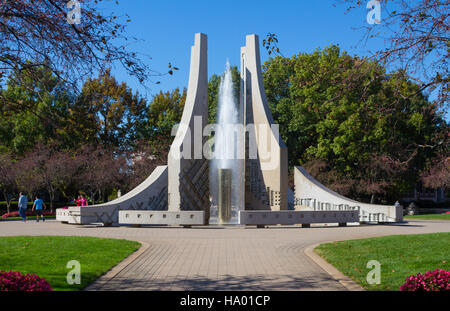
{"type": "Point", "coordinates": [186, 218]}
{"type": "Point", "coordinates": [297, 217]}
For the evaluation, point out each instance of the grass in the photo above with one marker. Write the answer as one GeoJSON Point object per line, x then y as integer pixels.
{"type": "Point", "coordinates": [48, 256]}
{"type": "Point", "coordinates": [399, 256]}
{"type": "Point", "coordinates": [429, 217]}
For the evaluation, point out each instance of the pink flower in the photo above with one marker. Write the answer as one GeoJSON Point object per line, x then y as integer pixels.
{"type": "Point", "coordinates": [15, 281]}
{"type": "Point", "coordinates": [438, 280]}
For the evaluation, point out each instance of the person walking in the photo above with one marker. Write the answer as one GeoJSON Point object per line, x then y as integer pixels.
{"type": "Point", "coordinates": [38, 205]}
{"type": "Point", "coordinates": [23, 204]}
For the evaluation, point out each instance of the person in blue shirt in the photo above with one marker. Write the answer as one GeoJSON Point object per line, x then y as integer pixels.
{"type": "Point", "coordinates": [23, 204]}
{"type": "Point", "coordinates": [38, 206]}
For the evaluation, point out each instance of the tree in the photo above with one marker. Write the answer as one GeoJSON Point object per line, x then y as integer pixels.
{"type": "Point", "coordinates": [43, 113]}
{"type": "Point", "coordinates": [7, 178]}
{"type": "Point", "coordinates": [113, 110]}
{"type": "Point", "coordinates": [164, 112]}
{"type": "Point", "coordinates": [101, 171]}
{"type": "Point", "coordinates": [363, 129]}
{"type": "Point", "coordinates": [437, 172]}
{"type": "Point", "coordinates": [42, 31]}
{"type": "Point", "coordinates": [28, 178]}
{"type": "Point", "coordinates": [417, 39]}
{"type": "Point", "coordinates": [145, 157]}
{"type": "Point", "coordinates": [47, 169]}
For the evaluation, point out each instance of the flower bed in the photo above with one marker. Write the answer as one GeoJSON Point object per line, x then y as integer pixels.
{"type": "Point", "coordinates": [28, 213]}
{"type": "Point", "coordinates": [15, 281]}
{"type": "Point", "coordinates": [438, 280]}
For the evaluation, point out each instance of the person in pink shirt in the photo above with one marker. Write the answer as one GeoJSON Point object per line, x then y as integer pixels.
{"type": "Point", "coordinates": [84, 201]}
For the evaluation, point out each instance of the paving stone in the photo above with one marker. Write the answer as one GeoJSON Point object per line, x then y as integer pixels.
{"type": "Point", "coordinates": [234, 258]}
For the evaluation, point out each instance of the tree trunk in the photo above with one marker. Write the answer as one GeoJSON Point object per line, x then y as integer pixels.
{"type": "Point", "coordinates": [105, 197]}
{"type": "Point", "coordinates": [52, 198]}
{"type": "Point", "coordinates": [372, 199]}
{"type": "Point", "coordinates": [8, 201]}
{"type": "Point", "coordinates": [51, 194]}
{"type": "Point", "coordinates": [93, 197]}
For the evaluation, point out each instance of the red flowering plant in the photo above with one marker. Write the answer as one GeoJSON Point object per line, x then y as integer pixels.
{"type": "Point", "coordinates": [15, 281]}
{"type": "Point", "coordinates": [438, 280]}
{"type": "Point", "coordinates": [28, 213]}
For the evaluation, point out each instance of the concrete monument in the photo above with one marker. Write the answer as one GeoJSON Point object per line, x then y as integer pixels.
{"type": "Point", "coordinates": [188, 168]}
{"type": "Point", "coordinates": [266, 175]}
{"type": "Point", "coordinates": [252, 191]}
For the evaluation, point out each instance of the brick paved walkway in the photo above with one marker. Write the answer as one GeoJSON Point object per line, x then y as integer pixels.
{"type": "Point", "coordinates": [232, 258]}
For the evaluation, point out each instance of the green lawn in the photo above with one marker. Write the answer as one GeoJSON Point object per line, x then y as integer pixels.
{"type": "Point", "coordinates": [48, 256]}
{"type": "Point", "coordinates": [399, 256]}
{"type": "Point", "coordinates": [429, 217]}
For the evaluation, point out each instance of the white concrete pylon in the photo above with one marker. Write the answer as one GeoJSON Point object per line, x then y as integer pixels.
{"type": "Point", "coordinates": [188, 168]}
{"type": "Point", "coordinates": [267, 169]}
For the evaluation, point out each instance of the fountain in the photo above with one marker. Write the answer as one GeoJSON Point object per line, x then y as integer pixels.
{"type": "Point", "coordinates": [244, 183]}
{"type": "Point", "coordinates": [226, 175]}
{"type": "Point", "coordinates": [224, 206]}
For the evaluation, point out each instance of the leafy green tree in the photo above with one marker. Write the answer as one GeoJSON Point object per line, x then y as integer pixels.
{"type": "Point", "coordinates": [117, 114]}
{"type": "Point", "coordinates": [361, 129]}
{"type": "Point", "coordinates": [164, 112]}
{"type": "Point", "coordinates": [43, 110]}
{"type": "Point", "coordinates": [40, 31]}
{"type": "Point", "coordinates": [417, 41]}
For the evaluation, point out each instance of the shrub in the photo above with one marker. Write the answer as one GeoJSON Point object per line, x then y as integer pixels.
{"type": "Point", "coordinates": [438, 280]}
{"type": "Point", "coordinates": [430, 204]}
{"type": "Point", "coordinates": [15, 281]}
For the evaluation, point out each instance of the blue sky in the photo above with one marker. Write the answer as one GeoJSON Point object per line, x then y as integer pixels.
{"type": "Point", "coordinates": [167, 30]}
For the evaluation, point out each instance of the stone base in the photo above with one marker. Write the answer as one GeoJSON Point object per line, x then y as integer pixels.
{"type": "Point", "coordinates": [260, 218]}
{"type": "Point", "coordinates": [88, 215]}
{"type": "Point", "coordinates": [62, 215]}
{"type": "Point", "coordinates": [183, 218]}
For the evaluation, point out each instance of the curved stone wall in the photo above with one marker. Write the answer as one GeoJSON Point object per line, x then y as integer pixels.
{"type": "Point", "coordinates": [313, 194]}
{"type": "Point", "coordinates": [149, 195]}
